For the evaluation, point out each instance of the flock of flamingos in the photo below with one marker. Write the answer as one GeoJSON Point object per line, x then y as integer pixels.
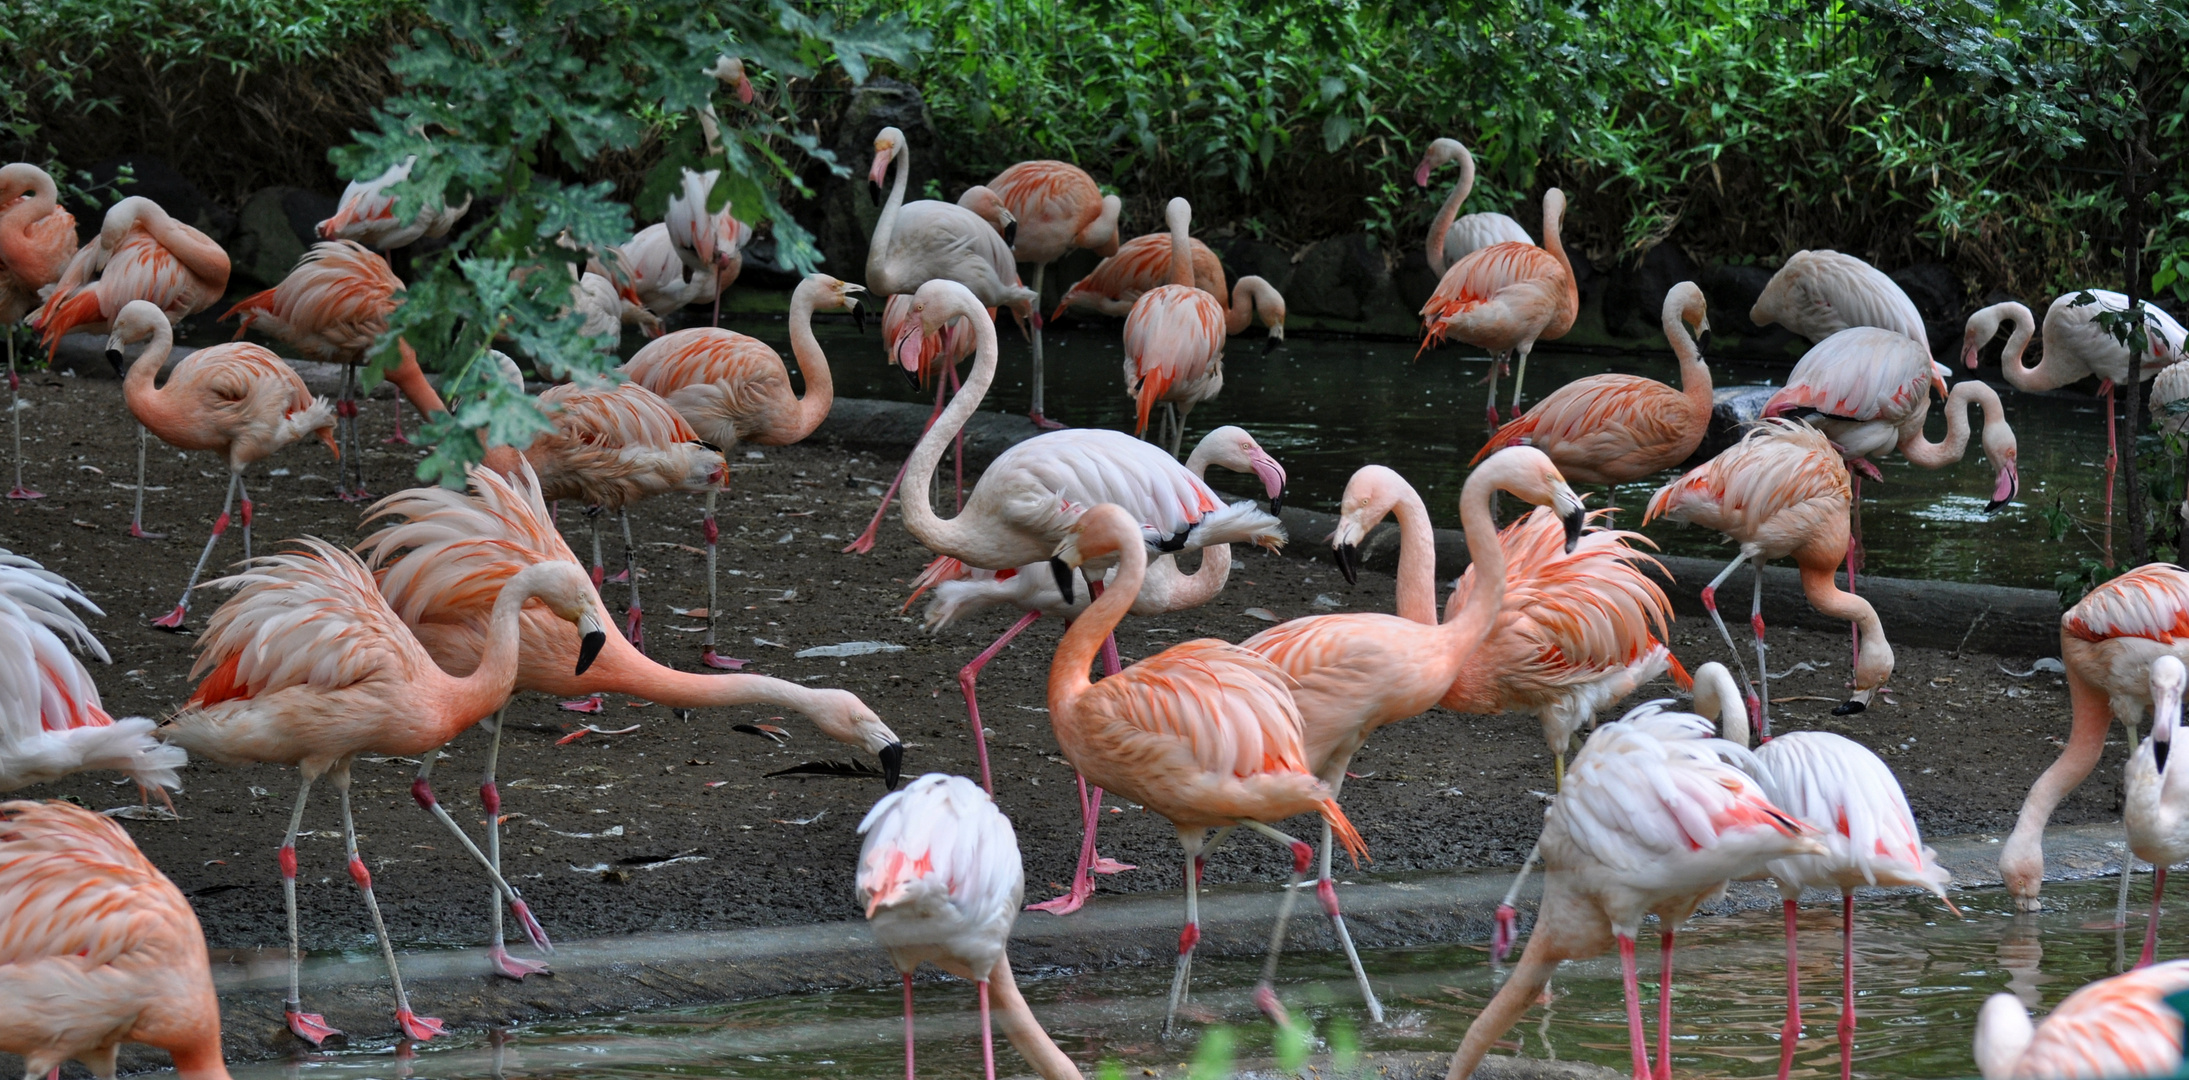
{"type": "Point", "coordinates": [320, 653]}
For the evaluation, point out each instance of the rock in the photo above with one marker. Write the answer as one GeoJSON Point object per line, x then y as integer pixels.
{"type": "Point", "coordinates": [1336, 279]}
{"type": "Point", "coordinates": [154, 179]}
{"type": "Point", "coordinates": [1634, 291]}
{"type": "Point", "coordinates": [1734, 408]}
{"type": "Point", "coordinates": [759, 270]}
{"type": "Point", "coordinates": [848, 211]}
{"type": "Point", "coordinates": [1244, 255]}
{"type": "Point", "coordinates": [274, 230]}
{"type": "Point", "coordinates": [1939, 298]}
{"type": "Point", "coordinates": [1414, 279]}
{"type": "Point", "coordinates": [1061, 275]}
{"type": "Point", "coordinates": [1732, 292]}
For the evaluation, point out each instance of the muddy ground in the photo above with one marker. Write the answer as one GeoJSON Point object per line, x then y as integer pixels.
{"type": "Point", "coordinates": [675, 827]}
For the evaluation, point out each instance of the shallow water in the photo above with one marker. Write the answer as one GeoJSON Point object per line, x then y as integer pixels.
{"type": "Point", "coordinates": [1921, 975]}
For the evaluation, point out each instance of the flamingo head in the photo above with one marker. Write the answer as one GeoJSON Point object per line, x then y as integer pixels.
{"type": "Point", "coordinates": [566, 590]}
{"type": "Point", "coordinates": [2167, 677]}
{"type": "Point", "coordinates": [1528, 473]}
{"type": "Point", "coordinates": [843, 717]}
{"type": "Point", "coordinates": [1685, 304]}
{"type": "Point", "coordinates": [731, 71]}
{"type": "Point", "coordinates": [1999, 446]}
{"type": "Point", "coordinates": [1984, 325]}
{"type": "Point", "coordinates": [1235, 450]}
{"type": "Point", "coordinates": [1369, 497]}
{"type": "Point", "coordinates": [140, 320]}
{"type": "Point", "coordinates": [1440, 152]}
{"type": "Point", "coordinates": [927, 321]}
{"type": "Point", "coordinates": [887, 144]}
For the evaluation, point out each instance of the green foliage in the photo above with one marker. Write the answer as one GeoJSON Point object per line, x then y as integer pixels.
{"type": "Point", "coordinates": [1212, 1060]}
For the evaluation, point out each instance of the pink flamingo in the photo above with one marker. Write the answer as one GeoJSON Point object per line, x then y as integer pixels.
{"type": "Point", "coordinates": [1819, 293]}
{"type": "Point", "coordinates": [1174, 340]}
{"type": "Point", "coordinates": [51, 721]}
{"type": "Point", "coordinates": [1451, 237]}
{"type": "Point", "coordinates": [1144, 263]}
{"type": "Point", "coordinates": [37, 239]}
{"type": "Point", "coordinates": [447, 559]}
{"type": "Point", "coordinates": [237, 400]}
{"type": "Point", "coordinates": [1204, 733]}
{"type": "Point", "coordinates": [2152, 803]}
{"type": "Point", "coordinates": [707, 244]}
{"type": "Point", "coordinates": [2120, 1026]}
{"type": "Point", "coordinates": [606, 310]}
{"type": "Point", "coordinates": [734, 389]}
{"type": "Point", "coordinates": [1057, 207]}
{"type": "Point", "coordinates": [1505, 298]}
{"type": "Point", "coordinates": [1652, 820]}
{"type": "Point", "coordinates": [648, 263]}
{"type": "Point", "coordinates": [1355, 672]}
{"type": "Point", "coordinates": [941, 881]}
{"type": "Point", "coordinates": [306, 665]}
{"type": "Point", "coordinates": [140, 254]}
{"type": "Point", "coordinates": [939, 357]}
{"type": "Point", "coordinates": [2108, 642]}
{"type": "Point", "coordinates": [1610, 429]}
{"type": "Point", "coordinates": [1849, 798]}
{"type": "Point", "coordinates": [332, 307]}
{"type": "Point", "coordinates": [918, 242]}
{"type": "Point", "coordinates": [100, 948]}
{"type": "Point", "coordinates": [1782, 490]}
{"type": "Point", "coordinates": [366, 213]}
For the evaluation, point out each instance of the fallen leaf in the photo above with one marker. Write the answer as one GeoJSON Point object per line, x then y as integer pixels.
{"type": "Point", "coordinates": [848, 648]}
{"type": "Point", "coordinates": [690, 613]}
{"type": "Point", "coordinates": [1261, 613]}
{"type": "Point", "coordinates": [81, 523]}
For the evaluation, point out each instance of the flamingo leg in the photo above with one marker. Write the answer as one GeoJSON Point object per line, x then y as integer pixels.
{"type": "Point", "coordinates": [346, 411]}
{"type": "Point", "coordinates": [1847, 985]}
{"type": "Point", "coordinates": [1664, 1007]}
{"type": "Point", "coordinates": [908, 1074]}
{"type": "Point", "coordinates": [2128, 866]}
{"type": "Point", "coordinates": [421, 790]}
{"type": "Point", "coordinates": [600, 570]}
{"type": "Point", "coordinates": [1854, 565]}
{"type": "Point", "coordinates": [243, 491]}
{"type": "Point", "coordinates": [1074, 898]}
{"type": "Point", "coordinates": [2151, 926]}
{"type": "Point", "coordinates": [1637, 1040]}
{"type": "Point", "coordinates": [310, 1027]}
{"type": "Point", "coordinates": [15, 416]}
{"type": "Point", "coordinates": [1520, 376]}
{"type": "Point", "coordinates": [1763, 666]}
{"type": "Point", "coordinates": [966, 676]}
{"type": "Point", "coordinates": [397, 439]}
{"type": "Point", "coordinates": [707, 529]}
{"type": "Point", "coordinates": [1710, 604]}
{"type": "Point", "coordinates": [173, 619]}
{"type": "Point", "coordinates": [1041, 270]}
{"type": "Point", "coordinates": [414, 1026]}
{"type": "Point", "coordinates": [1497, 363]}
{"type": "Point", "coordinates": [1265, 992]}
{"type": "Point", "coordinates": [136, 516]}
{"type": "Point", "coordinates": [490, 799]}
{"type": "Point", "coordinates": [2112, 465]}
{"type": "Point", "coordinates": [1507, 920]}
{"type": "Point", "coordinates": [987, 1036]}
{"type": "Point", "coordinates": [865, 541]}
{"type": "Point", "coordinates": [1187, 937]}
{"type": "Point", "coordinates": [634, 620]}
{"type": "Point", "coordinates": [1326, 891]}
{"type": "Point", "coordinates": [1790, 1032]}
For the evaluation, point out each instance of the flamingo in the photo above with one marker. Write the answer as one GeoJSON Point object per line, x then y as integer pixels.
{"type": "Point", "coordinates": [1610, 429]}
{"type": "Point", "coordinates": [37, 239]}
{"type": "Point", "coordinates": [1782, 490]}
{"type": "Point", "coordinates": [307, 666]}
{"type": "Point", "coordinates": [707, 244]}
{"type": "Point", "coordinates": [51, 721]}
{"type": "Point", "coordinates": [140, 254]}
{"type": "Point", "coordinates": [366, 213]}
{"type": "Point", "coordinates": [1652, 820]}
{"type": "Point", "coordinates": [440, 568]}
{"type": "Point", "coordinates": [939, 357]}
{"type": "Point", "coordinates": [1451, 240]}
{"type": "Point", "coordinates": [1140, 264]}
{"type": "Point", "coordinates": [1174, 339]}
{"type": "Point", "coordinates": [1819, 293]}
{"type": "Point", "coordinates": [1505, 298]}
{"type": "Point", "coordinates": [1355, 672]}
{"type": "Point", "coordinates": [1855, 807]}
{"type": "Point", "coordinates": [649, 264]}
{"type": "Point", "coordinates": [1204, 733]}
{"type": "Point", "coordinates": [2120, 1026]}
{"type": "Point", "coordinates": [941, 880]}
{"type": "Point", "coordinates": [983, 200]}
{"type": "Point", "coordinates": [2152, 803]}
{"type": "Point", "coordinates": [606, 311]}
{"type": "Point", "coordinates": [237, 400]}
{"type": "Point", "coordinates": [1058, 207]}
{"type": "Point", "coordinates": [733, 389]}
{"type": "Point", "coordinates": [2108, 642]}
{"type": "Point", "coordinates": [332, 307]}
{"type": "Point", "coordinates": [918, 242]}
{"type": "Point", "coordinates": [99, 948]}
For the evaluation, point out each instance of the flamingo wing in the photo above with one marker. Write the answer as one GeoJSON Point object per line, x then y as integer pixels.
{"type": "Point", "coordinates": [626, 415]}
{"type": "Point", "coordinates": [449, 554]}
{"type": "Point", "coordinates": [1778, 465]}
{"type": "Point", "coordinates": [1478, 279]}
{"type": "Point", "coordinates": [1642, 801]}
{"type": "Point", "coordinates": [1086, 467]}
{"type": "Point", "coordinates": [940, 848]}
{"type": "Point", "coordinates": [306, 617]}
{"type": "Point", "coordinates": [51, 720]}
{"type": "Point", "coordinates": [2113, 1027]}
{"type": "Point", "coordinates": [1860, 814]}
{"type": "Point", "coordinates": [2150, 601]}
{"type": "Point", "coordinates": [1598, 417]}
{"type": "Point", "coordinates": [76, 887]}
{"type": "Point", "coordinates": [1861, 373]}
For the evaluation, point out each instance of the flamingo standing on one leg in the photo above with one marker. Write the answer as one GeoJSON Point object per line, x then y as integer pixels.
{"type": "Point", "coordinates": [1174, 340]}
{"type": "Point", "coordinates": [37, 239]}
{"type": "Point", "coordinates": [707, 244]}
{"type": "Point", "coordinates": [306, 665]}
{"type": "Point", "coordinates": [237, 400]}
{"type": "Point", "coordinates": [2120, 1026]}
{"type": "Point", "coordinates": [1204, 733]}
{"type": "Point", "coordinates": [1819, 293]}
{"type": "Point", "coordinates": [1058, 208]}
{"type": "Point", "coordinates": [927, 240]}
{"type": "Point", "coordinates": [941, 880]}
{"type": "Point", "coordinates": [99, 948]}
{"type": "Point", "coordinates": [441, 568]}
{"type": "Point", "coordinates": [1451, 237]}
{"type": "Point", "coordinates": [734, 389]}
{"type": "Point", "coordinates": [1782, 490]}
{"type": "Point", "coordinates": [2154, 805]}
{"type": "Point", "coordinates": [1505, 298]}
{"type": "Point", "coordinates": [1355, 672]}
{"type": "Point", "coordinates": [1652, 820]}
{"type": "Point", "coordinates": [332, 307]}
{"type": "Point", "coordinates": [939, 356]}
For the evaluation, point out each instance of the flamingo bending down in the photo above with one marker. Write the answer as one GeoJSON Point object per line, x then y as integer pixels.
{"type": "Point", "coordinates": [1174, 339]}
{"type": "Point", "coordinates": [2120, 1026]}
{"type": "Point", "coordinates": [648, 262]}
{"type": "Point", "coordinates": [442, 566]}
{"type": "Point", "coordinates": [1849, 798]}
{"type": "Point", "coordinates": [605, 311]}
{"type": "Point", "coordinates": [332, 307]}
{"type": "Point", "coordinates": [2154, 804]}
{"type": "Point", "coordinates": [140, 254]}
{"type": "Point", "coordinates": [306, 665]}
{"type": "Point", "coordinates": [1140, 264]}
{"type": "Point", "coordinates": [1204, 733]}
{"type": "Point", "coordinates": [1058, 207]}
{"type": "Point", "coordinates": [1609, 429]}
{"type": "Point", "coordinates": [941, 880]}
{"type": "Point", "coordinates": [1653, 819]}
{"type": "Point", "coordinates": [1451, 237]}
{"type": "Point", "coordinates": [923, 241]}
{"type": "Point", "coordinates": [99, 948]}
{"type": "Point", "coordinates": [1355, 672]}
{"type": "Point", "coordinates": [734, 389]}
{"type": "Point", "coordinates": [237, 400]}
{"type": "Point", "coordinates": [1782, 490]}
{"type": "Point", "coordinates": [1505, 298]}
{"type": "Point", "coordinates": [37, 239]}
{"type": "Point", "coordinates": [51, 721]}
{"type": "Point", "coordinates": [938, 362]}
{"type": "Point", "coordinates": [1819, 293]}
{"type": "Point", "coordinates": [707, 244]}
{"type": "Point", "coordinates": [2108, 642]}
{"type": "Point", "coordinates": [366, 213]}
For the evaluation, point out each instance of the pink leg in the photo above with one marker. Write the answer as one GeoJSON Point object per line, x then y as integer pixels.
{"type": "Point", "coordinates": [972, 704]}
{"type": "Point", "coordinates": [1636, 1038]}
{"type": "Point", "coordinates": [173, 619]}
{"type": "Point", "coordinates": [1097, 862]}
{"type": "Point", "coordinates": [2151, 927]}
{"type": "Point", "coordinates": [397, 439]}
{"type": "Point", "coordinates": [1664, 1007]}
{"type": "Point", "coordinates": [1790, 1034]}
{"type": "Point", "coordinates": [1847, 985]}
{"type": "Point", "coordinates": [908, 1075]}
{"type": "Point", "coordinates": [1074, 898]}
{"type": "Point", "coordinates": [987, 1037]}
{"type": "Point", "coordinates": [865, 541]}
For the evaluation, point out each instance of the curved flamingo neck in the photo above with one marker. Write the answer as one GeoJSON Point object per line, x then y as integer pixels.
{"type": "Point", "coordinates": [621, 669]}
{"type": "Point", "coordinates": [1417, 585]}
{"type": "Point", "coordinates": [474, 696]}
{"type": "Point", "coordinates": [1825, 595]}
{"type": "Point", "coordinates": [196, 251]}
{"type": "Point", "coordinates": [1918, 448]}
{"type": "Point", "coordinates": [885, 227]}
{"type": "Point", "coordinates": [1554, 213]}
{"type": "Point", "coordinates": [1075, 654]}
{"type": "Point", "coordinates": [38, 202]}
{"type": "Point", "coordinates": [1249, 295]}
{"type": "Point", "coordinates": [820, 383]}
{"type": "Point", "coordinates": [1479, 613]}
{"type": "Point", "coordinates": [1694, 373]}
{"type": "Point", "coordinates": [140, 387]}
{"type": "Point", "coordinates": [2052, 371]}
{"type": "Point", "coordinates": [200, 1060]}
{"type": "Point", "coordinates": [1449, 212]}
{"type": "Point", "coordinates": [953, 537]}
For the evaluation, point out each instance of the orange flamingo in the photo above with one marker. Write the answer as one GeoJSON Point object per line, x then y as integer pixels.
{"type": "Point", "coordinates": [1355, 672]}
{"type": "Point", "coordinates": [332, 307]}
{"type": "Point", "coordinates": [449, 555]}
{"type": "Point", "coordinates": [366, 213]}
{"type": "Point", "coordinates": [1204, 733]}
{"type": "Point", "coordinates": [37, 239]}
{"type": "Point", "coordinates": [939, 357]}
{"type": "Point", "coordinates": [1819, 293]}
{"type": "Point", "coordinates": [2120, 1026]}
{"type": "Point", "coordinates": [307, 666]}
{"type": "Point", "coordinates": [140, 254]}
{"type": "Point", "coordinates": [237, 400]}
{"type": "Point", "coordinates": [2152, 804]}
{"type": "Point", "coordinates": [1141, 264]}
{"type": "Point", "coordinates": [1652, 820]}
{"type": "Point", "coordinates": [1610, 429]}
{"type": "Point", "coordinates": [99, 948]}
{"type": "Point", "coordinates": [1058, 207]}
{"type": "Point", "coordinates": [51, 721]}
{"type": "Point", "coordinates": [1505, 298]}
{"type": "Point", "coordinates": [1451, 237]}
{"type": "Point", "coordinates": [1174, 340]}
{"type": "Point", "coordinates": [733, 389]}
{"type": "Point", "coordinates": [1782, 490]}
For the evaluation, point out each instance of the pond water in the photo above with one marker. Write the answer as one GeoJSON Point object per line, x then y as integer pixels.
{"type": "Point", "coordinates": [1921, 976]}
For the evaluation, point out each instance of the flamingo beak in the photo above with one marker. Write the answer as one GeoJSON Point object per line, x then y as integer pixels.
{"type": "Point", "coordinates": [858, 313]}
{"type": "Point", "coordinates": [1063, 574]}
{"type": "Point", "coordinates": [2009, 483]}
{"type": "Point", "coordinates": [744, 90]}
{"type": "Point", "coordinates": [1010, 234]}
{"type": "Point", "coordinates": [1276, 337]}
{"type": "Point", "coordinates": [1573, 522]}
{"type": "Point", "coordinates": [1857, 702]}
{"type": "Point", "coordinates": [114, 357]}
{"type": "Point", "coordinates": [591, 638]}
{"type": "Point", "coordinates": [1421, 174]}
{"type": "Point", "coordinates": [892, 764]}
{"type": "Point", "coordinates": [1347, 556]}
{"type": "Point", "coordinates": [1272, 476]}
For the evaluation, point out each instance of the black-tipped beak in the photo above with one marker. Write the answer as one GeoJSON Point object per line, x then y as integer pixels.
{"type": "Point", "coordinates": [874, 191]}
{"type": "Point", "coordinates": [1848, 708]}
{"type": "Point", "coordinates": [1010, 233]}
{"type": "Point", "coordinates": [1269, 345]}
{"type": "Point", "coordinates": [1063, 578]}
{"type": "Point", "coordinates": [1171, 544]}
{"type": "Point", "coordinates": [589, 649]}
{"type": "Point", "coordinates": [892, 764]}
{"type": "Point", "coordinates": [1993, 506]}
{"type": "Point", "coordinates": [1345, 555]}
{"type": "Point", "coordinates": [1277, 505]}
{"type": "Point", "coordinates": [858, 315]}
{"type": "Point", "coordinates": [114, 357]}
{"type": "Point", "coordinates": [1574, 521]}
{"type": "Point", "coordinates": [2159, 749]}
{"type": "Point", "coordinates": [911, 376]}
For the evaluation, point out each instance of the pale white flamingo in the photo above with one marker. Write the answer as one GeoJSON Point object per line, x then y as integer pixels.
{"type": "Point", "coordinates": [918, 242]}
{"type": "Point", "coordinates": [2120, 1026]}
{"type": "Point", "coordinates": [1819, 293]}
{"type": "Point", "coordinates": [366, 213]}
{"type": "Point", "coordinates": [649, 264]}
{"type": "Point", "coordinates": [1451, 237]}
{"type": "Point", "coordinates": [940, 355]}
{"type": "Point", "coordinates": [607, 311]}
{"type": "Point", "coordinates": [1174, 340]}
{"type": "Point", "coordinates": [1506, 297]}
{"type": "Point", "coordinates": [706, 243]}
{"type": "Point", "coordinates": [1058, 207]}
{"type": "Point", "coordinates": [2154, 802]}
{"type": "Point", "coordinates": [37, 239]}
